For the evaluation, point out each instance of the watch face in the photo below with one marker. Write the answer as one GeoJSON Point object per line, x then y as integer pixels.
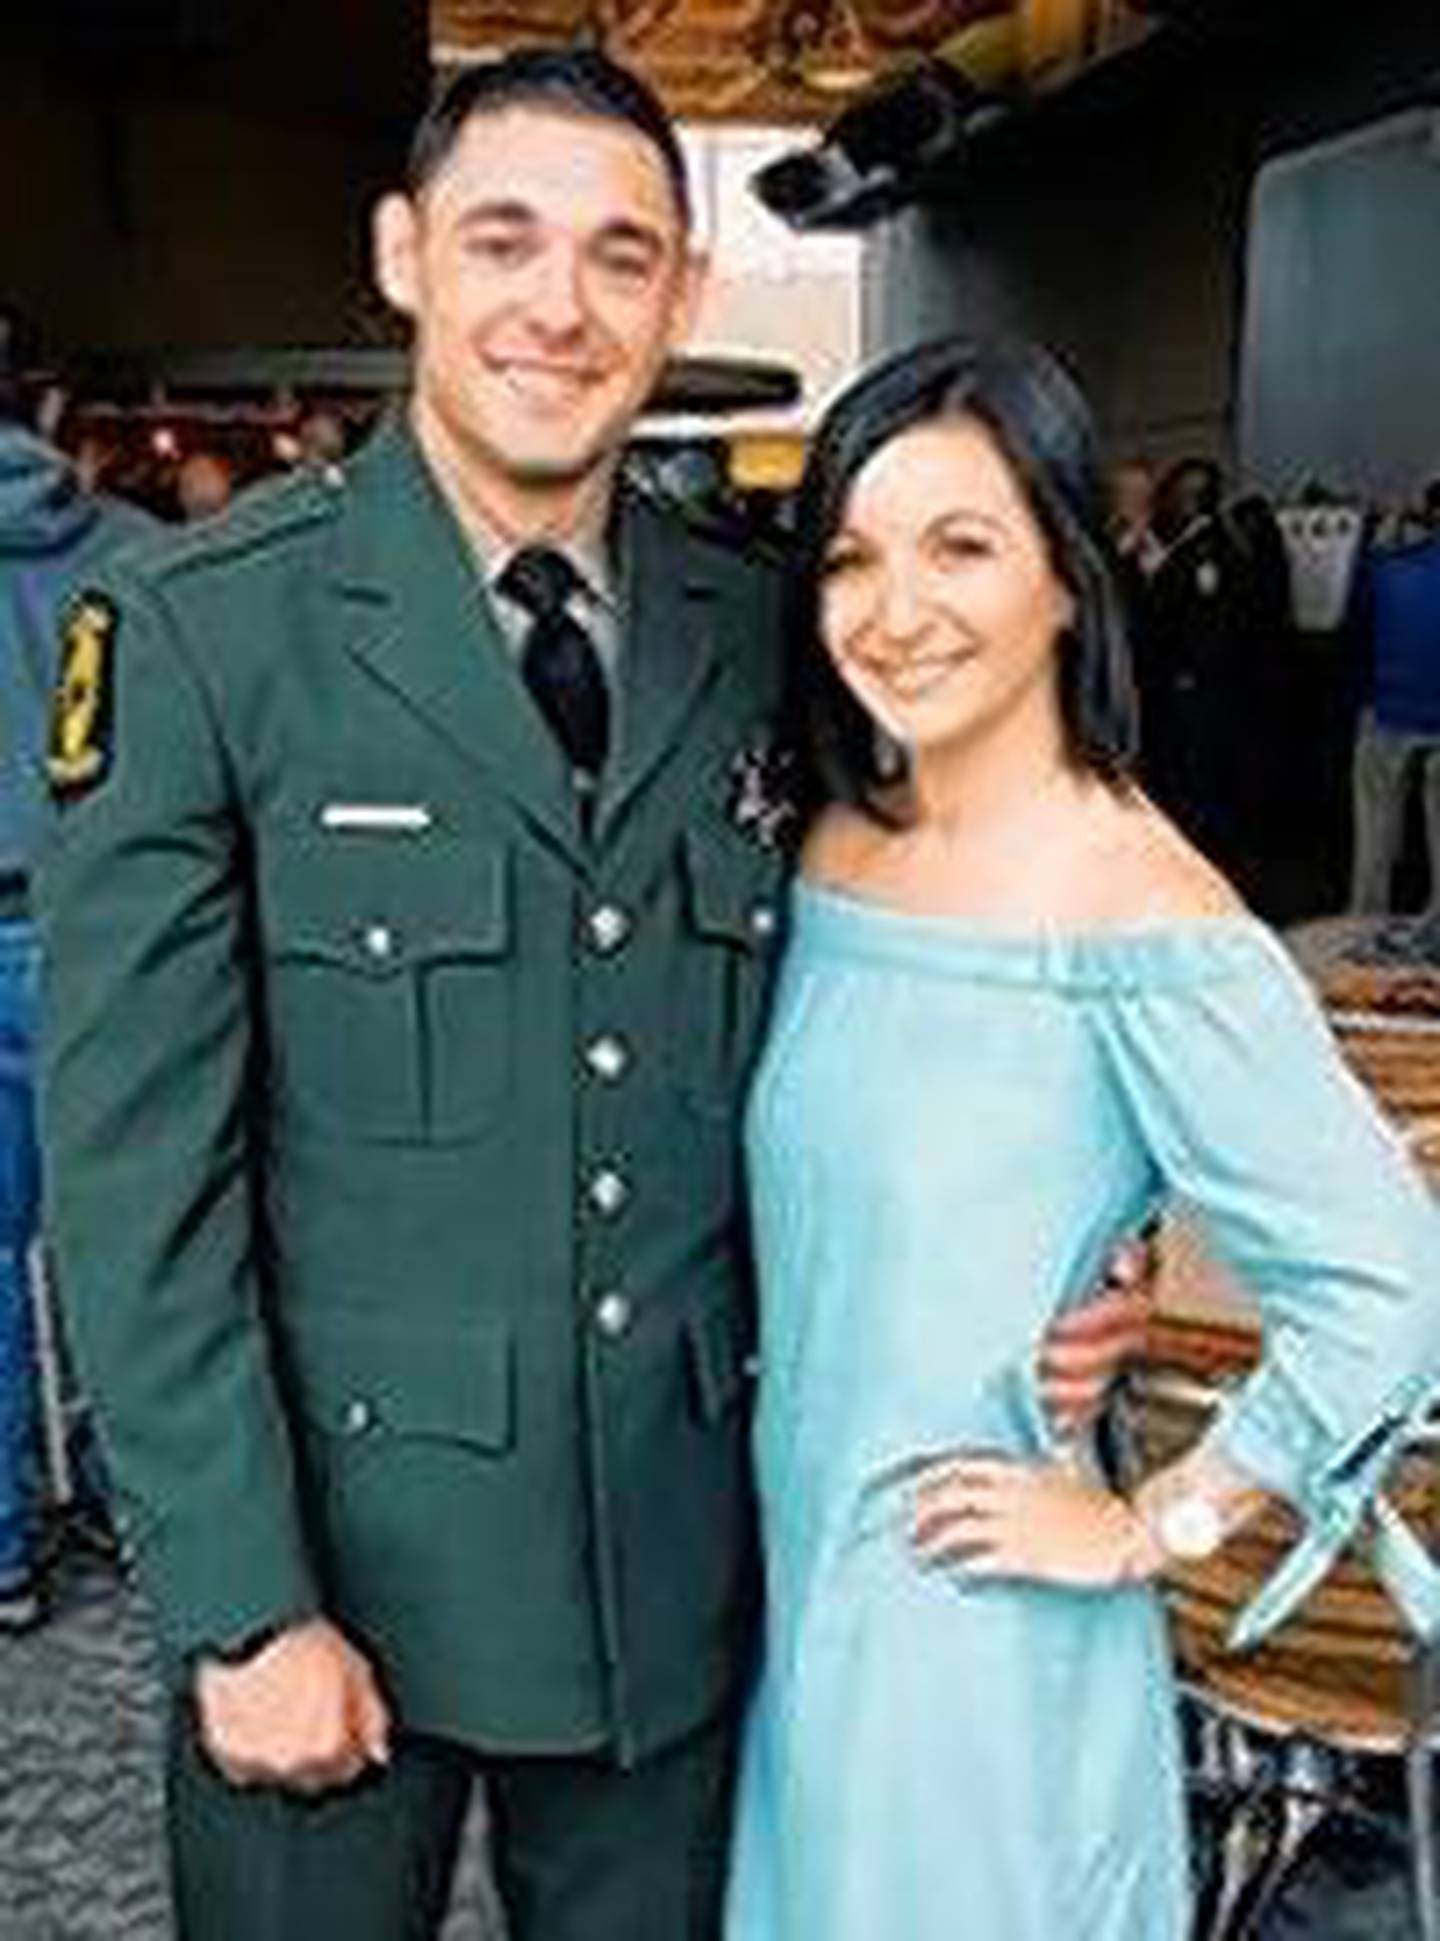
{"type": "Point", "coordinates": [1189, 1528]}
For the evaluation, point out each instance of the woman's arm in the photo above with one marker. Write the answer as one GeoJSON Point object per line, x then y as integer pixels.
{"type": "Point", "coordinates": [1249, 1116]}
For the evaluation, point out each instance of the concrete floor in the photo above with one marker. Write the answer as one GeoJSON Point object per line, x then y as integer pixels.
{"type": "Point", "coordinates": [80, 1800]}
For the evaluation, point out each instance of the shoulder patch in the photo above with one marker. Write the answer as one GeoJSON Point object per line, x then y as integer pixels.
{"type": "Point", "coordinates": [83, 719]}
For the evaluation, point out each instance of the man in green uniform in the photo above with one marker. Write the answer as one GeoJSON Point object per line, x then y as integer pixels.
{"type": "Point", "coordinates": [411, 921]}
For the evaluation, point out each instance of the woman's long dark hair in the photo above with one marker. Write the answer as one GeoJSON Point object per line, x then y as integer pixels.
{"type": "Point", "coordinates": [1043, 429]}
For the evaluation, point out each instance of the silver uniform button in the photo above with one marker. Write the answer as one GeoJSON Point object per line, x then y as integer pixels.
{"type": "Point", "coordinates": [379, 942]}
{"type": "Point", "coordinates": [608, 1057]}
{"type": "Point", "coordinates": [613, 1315]}
{"type": "Point", "coordinates": [608, 926]}
{"type": "Point", "coordinates": [762, 922]}
{"type": "Point", "coordinates": [608, 1192]}
{"type": "Point", "coordinates": [358, 1418]}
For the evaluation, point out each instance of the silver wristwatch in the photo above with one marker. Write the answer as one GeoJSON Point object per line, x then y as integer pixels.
{"type": "Point", "coordinates": [1188, 1527]}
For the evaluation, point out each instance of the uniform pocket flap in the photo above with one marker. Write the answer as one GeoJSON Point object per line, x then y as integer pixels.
{"type": "Point", "coordinates": [719, 1357]}
{"type": "Point", "coordinates": [364, 1380]}
{"type": "Point", "coordinates": [732, 890]}
{"type": "Point", "coordinates": [377, 905]}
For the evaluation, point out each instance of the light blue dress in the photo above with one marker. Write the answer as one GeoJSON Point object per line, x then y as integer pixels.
{"type": "Point", "coordinates": [949, 1131]}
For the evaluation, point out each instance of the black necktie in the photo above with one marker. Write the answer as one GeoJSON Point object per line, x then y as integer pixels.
{"type": "Point", "coordinates": [559, 662]}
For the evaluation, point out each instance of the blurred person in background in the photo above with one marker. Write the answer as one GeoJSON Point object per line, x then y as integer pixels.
{"type": "Point", "coordinates": [204, 486]}
{"type": "Point", "coordinates": [1191, 631]}
{"type": "Point", "coordinates": [1267, 767]}
{"type": "Point", "coordinates": [321, 436]}
{"type": "Point", "coordinates": [1397, 620]}
{"type": "Point", "coordinates": [53, 533]}
{"type": "Point", "coordinates": [94, 459]}
{"type": "Point", "coordinates": [1132, 517]}
{"type": "Point", "coordinates": [1138, 552]}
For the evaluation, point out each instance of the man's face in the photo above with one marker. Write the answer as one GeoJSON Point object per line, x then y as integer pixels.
{"type": "Point", "coordinates": [1132, 496]}
{"type": "Point", "coordinates": [546, 271]}
{"type": "Point", "coordinates": [203, 486]}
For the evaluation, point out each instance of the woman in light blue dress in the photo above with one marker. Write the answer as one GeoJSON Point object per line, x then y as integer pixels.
{"type": "Point", "coordinates": [1017, 1014]}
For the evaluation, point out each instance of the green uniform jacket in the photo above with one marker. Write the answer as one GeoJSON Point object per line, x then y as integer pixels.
{"type": "Point", "coordinates": [392, 1127]}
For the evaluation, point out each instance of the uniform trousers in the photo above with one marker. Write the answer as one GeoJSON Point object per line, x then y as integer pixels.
{"type": "Point", "coordinates": [581, 1849]}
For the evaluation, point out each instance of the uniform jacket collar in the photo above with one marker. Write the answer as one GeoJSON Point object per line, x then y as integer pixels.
{"type": "Point", "coordinates": [419, 617]}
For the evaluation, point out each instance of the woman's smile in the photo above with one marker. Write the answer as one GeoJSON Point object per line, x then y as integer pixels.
{"type": "Point", "coordinates": [913, 677]}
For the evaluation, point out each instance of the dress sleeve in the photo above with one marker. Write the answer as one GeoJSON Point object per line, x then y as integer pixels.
{"type": "Point", "coordinates": [1253, 1121]}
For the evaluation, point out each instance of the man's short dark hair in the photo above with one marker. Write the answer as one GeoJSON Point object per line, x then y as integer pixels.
{"type": "Point", "coordinates": [570, 80]}
{"type": "Point", "coordinates": [1042, 427]}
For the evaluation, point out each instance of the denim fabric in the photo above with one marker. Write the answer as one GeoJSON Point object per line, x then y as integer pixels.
{"type": "Point", "coordinates": [19, 1215]}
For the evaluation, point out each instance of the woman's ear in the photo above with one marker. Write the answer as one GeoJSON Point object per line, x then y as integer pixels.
{"type": "Point", "coordinates": [1067, 609]}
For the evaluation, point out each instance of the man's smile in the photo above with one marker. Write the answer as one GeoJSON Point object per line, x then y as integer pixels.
{"type": "Point", "coordinates": [544, 382]}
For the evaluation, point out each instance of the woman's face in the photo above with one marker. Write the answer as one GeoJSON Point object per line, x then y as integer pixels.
{"type": "Point", "coordinates": [939, 604]}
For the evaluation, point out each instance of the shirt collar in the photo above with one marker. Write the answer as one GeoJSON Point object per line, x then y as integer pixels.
{"type": "Point", "coordinates": [586, 548]}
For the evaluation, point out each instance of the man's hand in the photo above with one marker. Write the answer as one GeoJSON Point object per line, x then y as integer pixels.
{"type": "Point", "coordinates": [1085, 1351]}
{"type": "Point", "coordinates": [304, 1713]}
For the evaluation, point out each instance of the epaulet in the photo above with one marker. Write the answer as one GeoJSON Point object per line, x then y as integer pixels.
{"type": "Point", "coordinates": [263, 516]}
{"type": "Point", "coordinates": [741, 543]}
{"type": "Point", "coordinates": [710, 525]}
{"type": "Point", "coordinates": [736, 536]}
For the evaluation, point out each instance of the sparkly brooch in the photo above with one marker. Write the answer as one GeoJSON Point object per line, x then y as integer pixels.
{"type": "Point", "coordinates": [764, 795]}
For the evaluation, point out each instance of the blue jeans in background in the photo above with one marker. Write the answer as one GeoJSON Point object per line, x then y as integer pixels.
{"type": "Point", "coordinates": [19, 1218]}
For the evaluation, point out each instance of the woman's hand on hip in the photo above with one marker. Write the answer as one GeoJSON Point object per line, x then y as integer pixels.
{"type": "Point", "coordinates": [993, 1517]}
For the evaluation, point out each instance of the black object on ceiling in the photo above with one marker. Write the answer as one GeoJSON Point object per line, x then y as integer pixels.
{"type": "Point", "coordinates": [874, 158]}
{"type": "Point", "coordinates": [720, 384]}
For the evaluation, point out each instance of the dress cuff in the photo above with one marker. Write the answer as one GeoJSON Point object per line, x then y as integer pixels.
{"type": "Point", "coordinates": [1333, 1490]}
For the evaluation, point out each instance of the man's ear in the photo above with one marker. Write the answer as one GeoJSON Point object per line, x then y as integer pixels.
{"type": "Point", "coordinates": [694, 283]}
{"type": "Point", "coordinates": [394, 235]}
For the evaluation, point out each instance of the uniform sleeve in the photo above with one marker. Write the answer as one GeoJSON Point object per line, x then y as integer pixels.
{"type": "Point", "coordinates": [146, 1049]}
{"type": "Point", "coordinates": [1253, 1121]}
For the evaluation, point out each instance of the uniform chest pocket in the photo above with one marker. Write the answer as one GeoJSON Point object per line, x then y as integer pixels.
{"type": "Point", "coordinates": [389, 989]}
{"type": "Point", "coordinates": [732, 898]}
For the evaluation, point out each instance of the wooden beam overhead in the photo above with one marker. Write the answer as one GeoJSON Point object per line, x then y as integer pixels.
{"type": "Point", "coordinates": [784, 61]}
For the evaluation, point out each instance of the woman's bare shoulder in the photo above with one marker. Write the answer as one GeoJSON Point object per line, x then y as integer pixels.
{"type": "Point", "coordinates": [835, 843]}
{"type": "Point", "coordinates": [1146, 871]}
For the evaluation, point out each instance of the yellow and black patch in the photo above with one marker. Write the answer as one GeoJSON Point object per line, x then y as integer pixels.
{"type": "Point", "coordinates": [83, 721]}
